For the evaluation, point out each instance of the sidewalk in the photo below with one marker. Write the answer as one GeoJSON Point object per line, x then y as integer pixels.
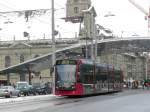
{"type": "Point", "coordinates": [25, 98]}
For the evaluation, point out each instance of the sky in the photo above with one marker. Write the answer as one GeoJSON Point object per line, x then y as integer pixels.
{"type": "Point", "coordinates": [128, 20]}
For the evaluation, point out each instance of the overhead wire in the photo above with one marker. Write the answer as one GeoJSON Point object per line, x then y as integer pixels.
{"type": "Point", "coordinates": [9, 3]}
{"type": "Point", "coordinates": [25, 10]}
{"type": "Point", "coordinates": [41, 21]}
{"type": "Point", "coordinates": [6, 6]}
{"type": "Point", "coordinates": [15, 10]}
{"type": "Point", "coordinates": [61, 6]}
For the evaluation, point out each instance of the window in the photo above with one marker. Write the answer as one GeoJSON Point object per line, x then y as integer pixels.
{"type": "Point", "coordinates": [87, 73]}
{"type": "Point", "coordinates": [7, 61]}
{"type": "Point", "coordinates": [75, 1]}
{"type": "Point", "coordinates": [21, 58]}
{"type": "Point", "coordinates": [66, 62]}
{"type": "Point", "coordinates": [76, 10]}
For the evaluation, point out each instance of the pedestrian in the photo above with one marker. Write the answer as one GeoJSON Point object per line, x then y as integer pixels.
{"type": "Point", "coordinates": [146, 84]}
{"type": "Point", "coordinates": [14, 85]}
{"type": "Point", "coordinates": [143, 84]}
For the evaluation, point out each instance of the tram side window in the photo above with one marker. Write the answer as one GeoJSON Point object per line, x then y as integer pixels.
{"type": "Point", "coordinates": [118, 76]}
{"type": "Point", "coordinates": [101, 74]}
{"type": "Point", "coordinates": [86, 73]}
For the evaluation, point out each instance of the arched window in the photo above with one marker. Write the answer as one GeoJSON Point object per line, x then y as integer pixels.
{"type": "Point", "coordinates": [76, 10]}
{"type": "Point", "coordinates": [21, 58]}
{"type": "Point", "coordinates": [7, 61]}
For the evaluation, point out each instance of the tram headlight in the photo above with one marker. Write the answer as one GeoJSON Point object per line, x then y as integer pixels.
{"type": "Point", "coordinates": [72, 86]}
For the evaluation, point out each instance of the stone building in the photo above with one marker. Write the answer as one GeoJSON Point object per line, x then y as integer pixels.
{"type": "Point", "coordinates": [148, 67]}
{"type": "Point", "coordinates": [15, 52]}
{"type": "Point", "coordinates": [74, 9]}
{"type": "Point", "coordinates": [133, 65]}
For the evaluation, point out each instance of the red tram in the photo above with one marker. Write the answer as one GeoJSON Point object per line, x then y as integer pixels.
{"type": "Point", "coordinates": [77, 77]}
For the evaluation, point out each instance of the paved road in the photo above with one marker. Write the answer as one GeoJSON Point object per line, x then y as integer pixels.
{"type": "Point", "coordinates": [126, 101]}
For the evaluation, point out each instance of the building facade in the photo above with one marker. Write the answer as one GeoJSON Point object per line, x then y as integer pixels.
{"type": "Point", "coordinates": [133, 65]}
{"type": "Point", "coordinates": [15, 52]}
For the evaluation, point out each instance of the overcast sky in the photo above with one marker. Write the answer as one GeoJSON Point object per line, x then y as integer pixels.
{"type": "Point", "coordinates": [127, 19]}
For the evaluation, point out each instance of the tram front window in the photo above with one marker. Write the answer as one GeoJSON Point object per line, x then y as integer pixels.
{"type": "Point", "coordinates": [65, 75]}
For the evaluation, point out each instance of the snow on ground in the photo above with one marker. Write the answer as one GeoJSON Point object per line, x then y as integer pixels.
{"type": "Point", "coordinates": [25, 98]}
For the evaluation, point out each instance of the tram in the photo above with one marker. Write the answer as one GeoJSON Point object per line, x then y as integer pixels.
{"type": "Point", "coordinates": [78, 77]}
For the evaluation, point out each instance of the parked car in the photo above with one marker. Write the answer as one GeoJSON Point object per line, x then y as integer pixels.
{"type": "Point", "coordinates": [9, 91]}
{"type": "Point", "coordinates": [43, 89]}
{"type": "Point", "coordinates": [25, 88]}
{"type": "Point", "coordinates": [32, 90]}
{"type": "Point", "coordinates": [48, 87]}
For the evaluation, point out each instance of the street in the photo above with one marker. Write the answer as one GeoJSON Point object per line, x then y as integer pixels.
{"type": "Point", "coordinates": [74, 48]}
{"type": "Point", "coordinates": [125, 101]}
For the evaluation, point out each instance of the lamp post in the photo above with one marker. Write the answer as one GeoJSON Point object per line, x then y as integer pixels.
{"type": "Point", "coordinates": [89, 23]}
{"type": "Point", "coordinates": [53, 35]}
{"type": "Point", "coordinates": [146, 63]}
{"type": "Point", "coordinates": [53, 42]}
{"type": "Point", "coordinates": [109, 14]}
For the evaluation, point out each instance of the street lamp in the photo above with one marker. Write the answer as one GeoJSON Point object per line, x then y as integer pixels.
{"type": "Point", "coordinates": [89, 22]}
{"type": "Point", "coordinates": [109, 14]}
{"type": "Point", "coordinates": [146, 65]}
{"type": "Point", "coordinates": [146, 68]}
{"type": "Point", "coordinates": [53, 42]}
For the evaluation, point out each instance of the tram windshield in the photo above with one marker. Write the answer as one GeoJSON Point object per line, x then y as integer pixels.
{"type": "Point", "coordinates": [66, 73]}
